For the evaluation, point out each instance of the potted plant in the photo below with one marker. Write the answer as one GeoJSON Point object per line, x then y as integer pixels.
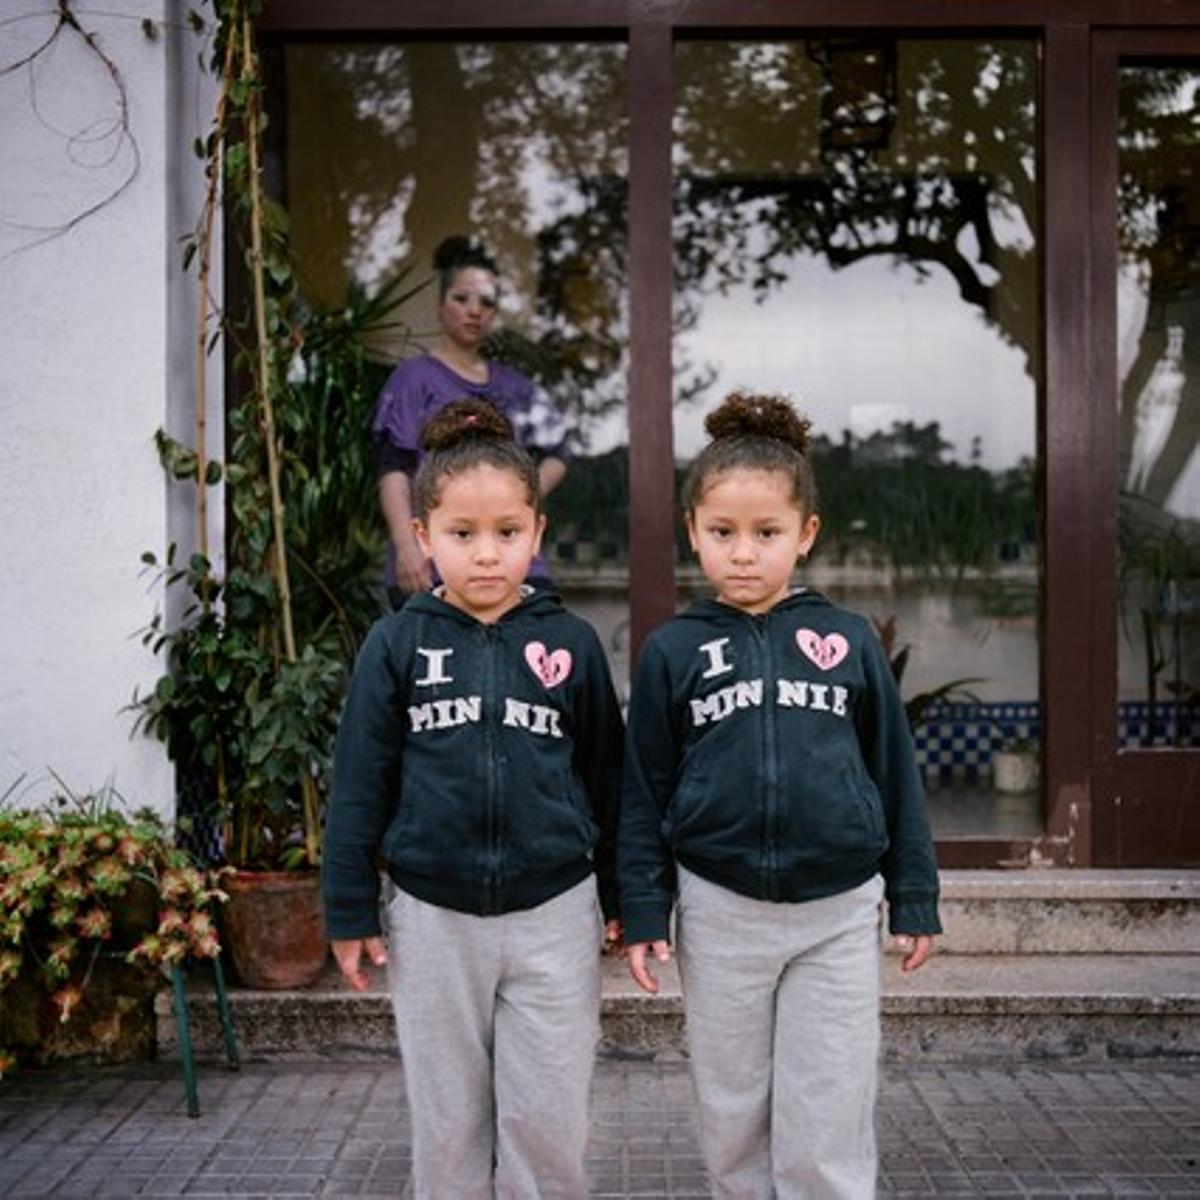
{"type": "Point", "coordinates": [93, 903]}
{"type": "Point", "coordinates": [252, 735]}
{"type": "Point", "coordinates": [1015, 766]}
{"type": "Point", "coordinates": [917, 706]}
{"type": "Point", "coordinates": [233, 705]}
{"type": "Point", "coordinates": [256, 663]}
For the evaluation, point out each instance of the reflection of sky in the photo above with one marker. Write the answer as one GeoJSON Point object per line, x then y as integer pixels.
{"type": "Point", "coordinates": [862, 348]}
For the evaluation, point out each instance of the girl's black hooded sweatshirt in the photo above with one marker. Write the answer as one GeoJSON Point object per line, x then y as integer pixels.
{"type": "Point", "coordinates": [770, 754]}
{"type": "Point", "coordinates": [478, 764]}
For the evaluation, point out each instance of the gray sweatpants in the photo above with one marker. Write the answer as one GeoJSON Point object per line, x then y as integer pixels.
{"type": "Point", "coordinates": [782, 1007]}
{"type": "Point", "coordinates": [498, 1020]}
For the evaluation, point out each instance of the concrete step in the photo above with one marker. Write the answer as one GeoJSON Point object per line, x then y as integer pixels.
{"type": "Point", "coordinates": [956, 1008]}
{"type": "Point", "coordinates": [1070, 912]}
{"type": "Point", "coordinates": [1034, 964]}
{"type": "Point", "coordinates": [982, 1007]}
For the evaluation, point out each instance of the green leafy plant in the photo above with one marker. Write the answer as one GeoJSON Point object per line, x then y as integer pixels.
{"type": "Point", "coordinates": [336, 539]}
{"type": "Point", "coordinates": [257, 661]}
{"type": "Point", "coordinates": [916, 707]}
{"type": "Point", "coordinates": [899, 498]}
{"type": "Point", "coordinates": [238, 722]}
{"type": "Point", "coordinates": [81, 879]}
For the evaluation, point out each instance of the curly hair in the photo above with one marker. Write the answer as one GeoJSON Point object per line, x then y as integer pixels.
{"type": "Point", "coordinates": [758, 433]}
{"type": "Point", "coordinates": [466, 434]}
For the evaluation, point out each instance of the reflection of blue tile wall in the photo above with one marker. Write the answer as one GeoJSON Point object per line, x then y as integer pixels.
{"type": "Point", "coordinates": [1174, 724]}
{"type": "Point", "coordinates": [956, 742]}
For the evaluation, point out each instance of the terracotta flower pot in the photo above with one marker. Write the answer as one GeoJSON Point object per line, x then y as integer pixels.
{"type": "Point", "coordinates": [274, 928]}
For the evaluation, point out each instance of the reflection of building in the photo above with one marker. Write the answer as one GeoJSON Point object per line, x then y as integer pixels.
{"type": "Point", "coordinates": [683, 201]}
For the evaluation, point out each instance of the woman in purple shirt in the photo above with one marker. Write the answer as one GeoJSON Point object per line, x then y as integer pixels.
{"type": "Point", "coordinates": [468, 295]}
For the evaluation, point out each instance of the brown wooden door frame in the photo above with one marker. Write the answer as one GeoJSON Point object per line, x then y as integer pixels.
{"type": "Point", "coordinates": [536, 18]}
{"type": "Point", "coordinates": [651, 305]}
{"type": "Point", "coordinates": [1146, 803]}
{"type": "Point", "coordinates": [1066, 687]}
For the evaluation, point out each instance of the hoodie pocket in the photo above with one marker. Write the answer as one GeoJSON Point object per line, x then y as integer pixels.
{"type": "Point", "coordinates": [838, 819]}
{"type": "Point", "coordinates": [867, 805]}
{"type": "Point", "coordinates": [712, 818]}
{"type": "Point", "coordinates": [552, 827]}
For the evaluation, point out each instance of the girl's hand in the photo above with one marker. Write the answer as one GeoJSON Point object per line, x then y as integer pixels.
{"type": "Point", "coordinates": [612, 938]}
{"type": "Point", "coordinates": [916, 949]}
{"type": "Point", "coordinates": [641, 973]}
{"type": "Point", "coordinates": [412, 567]}
{"type": "Point", "coordinates": [348, 953]}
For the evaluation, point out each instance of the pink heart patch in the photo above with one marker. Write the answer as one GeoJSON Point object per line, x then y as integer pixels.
{"type": "Point", "coordinates": [549, 667]}
{"type": "Point", "coordinates": [826, 651]}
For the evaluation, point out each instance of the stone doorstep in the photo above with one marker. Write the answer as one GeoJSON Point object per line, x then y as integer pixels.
{"type": "Point", "coordinates": [1070, 912]}
{"type": "Point", "coordinates": [1076, 883]}
{"type": "Point", "coordinates": [1088, 1007]}
{"type": "Point", "coordinates": [1035, 963]}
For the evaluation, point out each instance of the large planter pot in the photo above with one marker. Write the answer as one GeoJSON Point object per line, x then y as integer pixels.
{"type": "Point", "coordinates": [274, 929]}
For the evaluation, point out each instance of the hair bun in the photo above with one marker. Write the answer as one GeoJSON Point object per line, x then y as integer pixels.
{"type": "Point", "coordinates": [465, 420]}
{"type": "Point", "coordinates": [749, 414]}
{"type": "Point", "coordinates": [458, 251]}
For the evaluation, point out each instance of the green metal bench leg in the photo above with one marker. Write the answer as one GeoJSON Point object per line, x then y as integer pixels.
{"type": "Point", "coordinates": [231, 1048]}
{"type": "Point", "coordinates": [184, 1029]}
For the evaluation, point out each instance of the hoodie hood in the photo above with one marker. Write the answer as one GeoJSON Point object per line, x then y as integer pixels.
{"type": "Point", "coordinates": [711, 609]}
{"type": "Point", "coordinates": [534, 602]}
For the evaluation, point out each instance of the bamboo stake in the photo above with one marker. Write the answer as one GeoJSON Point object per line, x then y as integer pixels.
{"type": "Point", "coordinates": [266, 409]}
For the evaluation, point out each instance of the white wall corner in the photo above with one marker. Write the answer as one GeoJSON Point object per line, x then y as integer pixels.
{"type": "Point", "coordinates": [91, 308]}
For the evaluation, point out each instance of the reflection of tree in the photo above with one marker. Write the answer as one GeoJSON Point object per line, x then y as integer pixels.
{"type": "Point", "coordinates": [953, 188]}
{"type": "Point", "coordinates": [523, 144]}
{"type": "Point", "coordinates": [892, 498]}
{"type": "Point", "coordinates": [591, 505]}
{"type": "Point", "coordinates": [1159, 413]}
{"type": "Point", "coordinates": [1160, 582]}
{"type": "Point", "coordinates": [395, 145]}
{"type": "Point", "coordinates": [895, 497]}
{"type": "Point", "coordinates": [365, 125]}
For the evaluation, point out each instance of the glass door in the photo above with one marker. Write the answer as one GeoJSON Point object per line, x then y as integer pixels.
{"type": "Point", "coordinates": [857, 226]}
{"type": "Point", "coordinates": [384, 148]}
{"type": "Point", "coordinates": [1148, 240]}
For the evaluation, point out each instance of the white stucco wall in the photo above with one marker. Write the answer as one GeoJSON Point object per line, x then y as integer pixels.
{"type": "Point", "coordinates": [95, 325]}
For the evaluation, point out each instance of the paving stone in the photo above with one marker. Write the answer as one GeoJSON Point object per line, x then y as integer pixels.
{"type": "Point", "coordinates": [342, 1129]}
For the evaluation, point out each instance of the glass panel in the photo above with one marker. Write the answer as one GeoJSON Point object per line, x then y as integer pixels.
{"type": "Point", "coordinates": [856, 227]}
{"type": "Point", "coordinates": [388, 148]}
{"type": "Point", "coordinates": [1158, 365]}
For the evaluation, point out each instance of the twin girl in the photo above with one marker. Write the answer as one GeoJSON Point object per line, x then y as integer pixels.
{"type": "Point", "coordinates": [766, 794]}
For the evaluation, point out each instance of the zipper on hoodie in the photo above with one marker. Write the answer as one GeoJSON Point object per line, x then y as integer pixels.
{"type": "Point", "coordinates": [770, 775]}
{"type": "Point", "coordinates": [491, 870]}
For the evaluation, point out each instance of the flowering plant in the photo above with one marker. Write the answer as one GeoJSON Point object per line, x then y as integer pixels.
{"type": "Point", "coordinates": [80, 879]}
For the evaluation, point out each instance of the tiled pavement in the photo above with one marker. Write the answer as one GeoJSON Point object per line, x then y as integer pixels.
{"type": "Point", "coordinates": [341, 1129]}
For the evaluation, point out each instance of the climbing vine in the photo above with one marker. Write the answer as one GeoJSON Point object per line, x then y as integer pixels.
{"type": "Point", "coordinates": [247, 712]}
